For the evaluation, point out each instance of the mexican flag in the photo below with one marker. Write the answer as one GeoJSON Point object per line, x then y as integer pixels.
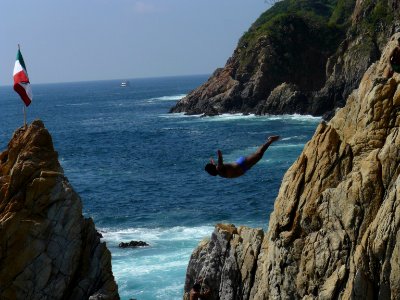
{"type": "Point", "coordinates": [21, 80]}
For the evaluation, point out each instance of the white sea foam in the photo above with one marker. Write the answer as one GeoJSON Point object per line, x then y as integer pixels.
{"type": "Point", "coordinates": [142, 266]}
{"type": "Point", "coordinates": [178, 115]}
{"type": "Point", "coordinates": [294, 117]}
{"type": "Point", "coordinates": [240, 116]}
{"type": "Point", "coordinates": [173, 287]}
{"type": "Point", "coordinates": [73, 104]}
{"type": "Point", "coordinates": [178, 233]}
{"type": "Point", "coordinates": [228, 117]}
{"type": "Point", "coordinates": [203, 118]}
{"type": "Point", "coordinates": [166, 259]}
{"type": "Point", "coordinates": [168, 98]}
{"type": "Point", "coordinates": [292, 137]}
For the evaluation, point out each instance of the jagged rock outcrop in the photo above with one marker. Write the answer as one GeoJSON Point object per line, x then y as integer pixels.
{"type": "Point", "coordinates": [48, 250]}
{"type": "Point", "coordinates": [372, 23]}
{"type": "Point", "coordinates": [226, 262]}
{"type": "Point", "coordinates": [285, 97]}
{"type": "Point", "coordinates": [294, 50]}
{"type": "Point", "coordinates": [335, 229]}
{"type": "Point", "coordinates": [133, 244]}
{"type": "Point", "coordinates": [287, 44]}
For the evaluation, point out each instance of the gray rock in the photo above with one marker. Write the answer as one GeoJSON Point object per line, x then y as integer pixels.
{"type": "Point", "coordinates": [226, 262]}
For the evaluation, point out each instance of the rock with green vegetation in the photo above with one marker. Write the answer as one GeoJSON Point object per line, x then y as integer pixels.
{"type": "Point", "coordinates": [321, 47]}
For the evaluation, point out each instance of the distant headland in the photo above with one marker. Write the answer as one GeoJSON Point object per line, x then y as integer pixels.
{"type": "Point", "coordinates": [302, 57]}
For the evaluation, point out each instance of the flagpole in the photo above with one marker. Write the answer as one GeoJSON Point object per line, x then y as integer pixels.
{"type": "Point", "coordinates": [24, 116]}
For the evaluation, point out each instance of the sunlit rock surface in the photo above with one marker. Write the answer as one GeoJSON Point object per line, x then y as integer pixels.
{"type": "Point", "coordinates": [334, 232]}
{"type": "Point", "coordinates": [48, 250]}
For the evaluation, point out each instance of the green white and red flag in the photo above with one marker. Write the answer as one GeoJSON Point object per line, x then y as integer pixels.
{"type": "Point", "coordinates": [21, 80]}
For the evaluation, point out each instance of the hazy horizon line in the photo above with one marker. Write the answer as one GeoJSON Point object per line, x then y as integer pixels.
{"type": "Point", "coordinates": [115, 79]}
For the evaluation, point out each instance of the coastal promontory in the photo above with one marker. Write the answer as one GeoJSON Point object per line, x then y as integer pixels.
{"type": "Point", "coordinates": [334, 232]}
{"type": "Point", "coordinates": [48, 250]}
{"type": "Point", "coordinates": [302, 57]}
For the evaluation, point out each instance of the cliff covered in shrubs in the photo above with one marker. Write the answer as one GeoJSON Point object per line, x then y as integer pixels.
{"type": "Point", "coordinates": [299, 57]}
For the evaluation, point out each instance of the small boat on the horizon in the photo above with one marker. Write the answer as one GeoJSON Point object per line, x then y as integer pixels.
{"type": "Point", "coordinates": [124, 83]}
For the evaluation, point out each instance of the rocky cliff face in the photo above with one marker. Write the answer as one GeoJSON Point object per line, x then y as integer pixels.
{"type": "Point", "coordinates": [335, 229]}
{"type": "Point", "coordinates": [320, 62]}
{"type": "Point", "coordinates": [226, 262]}
{"type": "Point", "coordinates": [371, 24]}
{"type": "Point", "coordinates": [47, 249]}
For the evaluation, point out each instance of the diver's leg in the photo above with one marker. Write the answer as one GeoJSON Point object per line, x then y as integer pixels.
{"type": "Point", "coordinates": [254, 158]}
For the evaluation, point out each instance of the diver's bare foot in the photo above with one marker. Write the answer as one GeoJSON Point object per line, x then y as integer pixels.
{"type": "Point", "coordinates": [273, 138]}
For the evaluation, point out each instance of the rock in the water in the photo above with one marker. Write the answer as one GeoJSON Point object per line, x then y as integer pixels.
{"type": "Point", "coordinates": [133, 244]}
{"type": "Point", "coordinates": [48, 250]}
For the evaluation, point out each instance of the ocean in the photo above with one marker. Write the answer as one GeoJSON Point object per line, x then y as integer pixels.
{"type": "Point", "coordinates": [140, 170]}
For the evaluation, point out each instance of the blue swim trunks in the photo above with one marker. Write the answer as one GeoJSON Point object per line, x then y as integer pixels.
{"type": "Point", "coordinates": [241, 162]}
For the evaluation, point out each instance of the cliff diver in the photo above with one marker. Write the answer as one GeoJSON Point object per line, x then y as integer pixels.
{"type": "Point", "coordinates": [242, 165]}
{"type": "Point", "coordinates": [394, 61]}
{"type": "Point", "coordinates": [197, 293]}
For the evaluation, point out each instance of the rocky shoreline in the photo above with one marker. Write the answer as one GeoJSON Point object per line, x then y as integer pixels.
{"type": "Point", "coordinates": [334, 231]}
{"type": "Point", "coordinates": [295, 64]}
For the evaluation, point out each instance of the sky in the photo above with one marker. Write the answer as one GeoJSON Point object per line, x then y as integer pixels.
{"type": "Point", "coordinates": [83, 40]}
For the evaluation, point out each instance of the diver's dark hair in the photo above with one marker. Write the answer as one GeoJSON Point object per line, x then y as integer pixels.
{"type": "Point", "coordinates": [211, 169]}
{"type": "Point", "coordinates": [197, 287]}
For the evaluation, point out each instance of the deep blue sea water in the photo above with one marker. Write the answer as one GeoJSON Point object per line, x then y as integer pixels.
{"type": "Point", "coordinates": [139, 169]}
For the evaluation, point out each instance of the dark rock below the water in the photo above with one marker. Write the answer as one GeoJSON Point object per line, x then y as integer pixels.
{"type": "Point", "coordinates": [133, 244]}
